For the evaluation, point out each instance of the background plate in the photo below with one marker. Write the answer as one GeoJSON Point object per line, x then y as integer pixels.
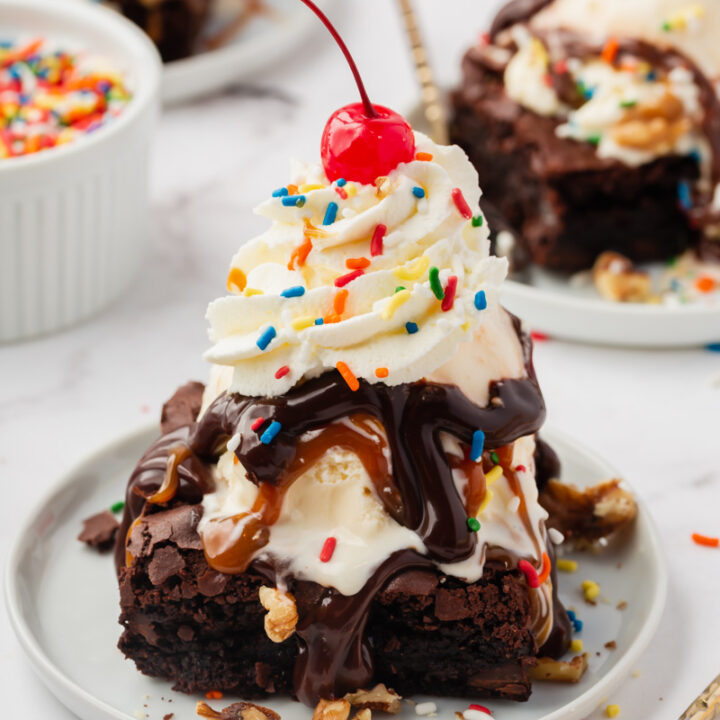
{"type": "Point", "coordinates": [63, 604]}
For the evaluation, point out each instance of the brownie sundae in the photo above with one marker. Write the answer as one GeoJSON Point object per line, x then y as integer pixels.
{"type": "Point", "coordinates": [595, 127]}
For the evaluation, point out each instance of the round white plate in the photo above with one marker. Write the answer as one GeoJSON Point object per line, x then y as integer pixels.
{"type": "Point", "coordinates": [63, 603]}
{"type": "Point", "coordinates": [551, 304]}
{"type": "Point", "coordinates": [262, 42]}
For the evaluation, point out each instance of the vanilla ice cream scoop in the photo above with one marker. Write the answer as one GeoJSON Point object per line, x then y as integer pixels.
{"type": "Point", "coordinates": [691, 27]}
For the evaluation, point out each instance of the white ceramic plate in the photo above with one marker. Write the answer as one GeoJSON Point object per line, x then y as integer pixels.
{"type": "Point", "coordinates": [63, 604]}
{"type": "Point", "coordinates": [262, 42]}
{"type": "Point", "coordinates": [552, 304]}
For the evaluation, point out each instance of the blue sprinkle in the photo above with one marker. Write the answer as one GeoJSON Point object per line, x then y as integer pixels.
{"type": "Point", "coordinates": [578, 626]}
{"type": "Point", "coordinates": [319, 321]}
{"type": "Point", "coordinates": [330, 213]}
{"type": "Point", "coordinates": [294, 291]}
{"type": "Point", "coordinates": [269, 435]}
{"type": "Point", "coordinates": [480, 300]}
{"type": "Point", "coordinates": [478, 445]}
{"type": "Point", "coordinates": [293, 200]}
{"type": "Point", "coordinates": [280, 192]}
{"type": "Point", "coordinates": [340, 182]}
{"type": "Point", "coordinates": [651, 76]}
{"type": "Point", "coordinates": [571, 615]}
{"type": "Point", "coordinates": [714, 347]}
{"type": "Point", "coordinates": [411, 328]}
{"type": "Point", "coordinates": [418, 192]}
{"type": "Point", "coordinates": [266, 337]}
{"type": "Point", "coordinates": [684, 195]}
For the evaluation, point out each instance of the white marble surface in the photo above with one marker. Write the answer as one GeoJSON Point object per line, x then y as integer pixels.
{"type": "Point", "coordinates": [656, 415]}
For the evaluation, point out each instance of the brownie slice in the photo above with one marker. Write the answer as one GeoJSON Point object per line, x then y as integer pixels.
{"type": "Point", "coordinates": [173, 25]}
{"type": "Point", "coordinates": [568, 204]}
{"type": "Point", "coordinates": [204, 630]}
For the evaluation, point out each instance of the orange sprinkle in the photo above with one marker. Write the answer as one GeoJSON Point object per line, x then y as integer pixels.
{"type": "Point", "coordinates": [705, 541]}
{"type": "Point", "coordinates": [705, 284]}
{"type": "Point", "coordinates": [331, 318]}
{"type": "Point", "coordinates": [300, 253]}
{"type": "Point", "coordinates": [235, 459]}
{"type": "Point", "coordinates": [236, 278]}
{"type": "Point", "coordinates": [312, 231]}
{"type": "Point", "coordinates": [427, 157]}
{"type": "Point", "coordinates": [546, 567]}
{"type": "Point", "coordinates": [610, 51]}
{"type": "Point", "coordinates": [381, 372]}
{"type": "Point", "coordinates": [339, 301]}
{"type": "Point", "coordinates": [356, 263]}
{"type": "Point", "coordinates": [347, 375]}
{"type": "Point", "coordinates": [213, 695]}
{"type": "Point", "coordinates": [292, 189]}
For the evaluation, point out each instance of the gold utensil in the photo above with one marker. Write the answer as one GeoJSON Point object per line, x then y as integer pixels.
{"type": "Point", "coordinates": [707, 705]}
{"type": "Point", "coordinates": [431, 98]}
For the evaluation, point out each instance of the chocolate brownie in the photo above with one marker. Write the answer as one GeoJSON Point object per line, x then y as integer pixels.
{"type": "Point", "coordinates": [204, 630]}
{"type": "Point", "coordinates": [173, 25]}
{"type": "Point", "coordinates": [567, 203]}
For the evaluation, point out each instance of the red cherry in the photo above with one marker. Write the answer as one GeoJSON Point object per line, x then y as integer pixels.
{"type": "Point", "coordinates": [361, 148]}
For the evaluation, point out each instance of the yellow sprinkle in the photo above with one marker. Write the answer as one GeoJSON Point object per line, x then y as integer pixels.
{"type": "Point", "coordinates": [351, 189]}
{"type": "Point", "coordinates": [307, 187]}
{"type": "Point", "coordinates": [486, 501]}
{"type": "Point", "coordinates": [413, 270]}
{"type": "Point", "coordinates": [591, 589]}
{"type": "Point", "coordinates": [252, 291]}
{"type": "Point", "coordinates": [612, 710]}
{"type": "Point", "coordinates": [539, 52]}
{"type": "Point", "coordinates": [302, 322]}
{"type": "Point", "coordinates": [396, 300]}
{"type": "Point", "coordinates": [465, 326]}
{"type": "Point", "coordinates": [576, 645]}
{"type": "Point", "coordinates": [566, 565]}
{"type": "Point", "coordinates": [493, 475]}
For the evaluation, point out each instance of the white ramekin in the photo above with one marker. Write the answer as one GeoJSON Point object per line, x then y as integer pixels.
{"type": "Point", "coordinates": [74, 219]}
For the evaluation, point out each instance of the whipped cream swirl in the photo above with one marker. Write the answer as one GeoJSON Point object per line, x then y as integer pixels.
{"type": "Point", "coordinates": [388, 278]}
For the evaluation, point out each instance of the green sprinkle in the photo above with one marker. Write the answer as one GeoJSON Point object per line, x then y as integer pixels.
{"type": "Point", "coordinates": [435, 284]}
{"type": "Point", "coordinates": [628, 103]}
{"type": "Point", "coordinates": [473, 524]}
{"type": "Point", "coordinates": [477, 221]}
{"type": "Point", "coordinates": [117, 507]}
{"type": "Point", "coordinates": [399, 288]}
{"type": "Point", "coordinates": [494, 457]}
{"type": "Point", "coordinates": [666, 26]}
{"type": "Point", "coordinates": [594, 139]}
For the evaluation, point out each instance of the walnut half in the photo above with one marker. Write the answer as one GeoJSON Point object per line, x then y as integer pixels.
{"type": "Point", "coordinates": [237, 711]}
{"type": "Point", "coordinates": [282, 616]}
{"type": "Point", "coordinates": [379, 698]}
{"type": "Point", "coordinates": [332, 710]}
{"type": "Point", "coordinates": [563, 671]}
{"type": "Point", "coordinates": [616, 278]}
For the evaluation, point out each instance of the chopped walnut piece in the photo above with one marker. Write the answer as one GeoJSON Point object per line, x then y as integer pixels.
{"type": "Point", "coordinates": [563, 671]}
{"type": "Point", "coordinates": [282, 615]}
{"type": "Point", "coordinates": [237, 711]}
{"type": "Point", "coordinates": [332, 710]}
{"type": "Point", "coordinates": [586, 516]}
{"type": "Point", "coordinates": [379, 698]}
{"type": "Point", "coordinates": [616, 278]}
{"type": "Point", "coordinates": [655, 125]}
{"type": "Point", "coordinates": [364, 714]}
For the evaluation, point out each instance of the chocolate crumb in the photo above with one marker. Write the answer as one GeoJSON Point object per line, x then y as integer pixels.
{"type": "Point", "coordinates": [622, 605]}
{"type": "Point", "coordinates": [612, 645]}
{"type": "Point", "coordinates": [99, 531]}
{"type": "Point", "coordinates": [169, 716]}
{"type": "Point", "coordinates": [182, 408]}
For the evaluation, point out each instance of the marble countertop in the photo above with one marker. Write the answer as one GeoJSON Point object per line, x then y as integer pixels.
{"type": "Point", "coordinates": [655, 415]}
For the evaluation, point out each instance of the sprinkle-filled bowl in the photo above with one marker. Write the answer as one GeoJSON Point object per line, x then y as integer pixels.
{"type": "Point", "coordinates": [74, 216]}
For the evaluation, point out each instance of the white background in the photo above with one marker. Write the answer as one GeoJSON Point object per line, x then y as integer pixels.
{"type": "Point", "coordinates": [655, 415]}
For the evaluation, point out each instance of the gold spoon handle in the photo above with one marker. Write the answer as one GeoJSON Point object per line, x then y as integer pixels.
{"type": "Point", "coordinates": [432, 101]}
{"type": "Point", "coordinates": [707, 705]}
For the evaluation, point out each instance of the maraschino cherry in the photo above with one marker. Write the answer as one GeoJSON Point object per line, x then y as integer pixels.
{"type": "Point", "coordinates": [362, 141]}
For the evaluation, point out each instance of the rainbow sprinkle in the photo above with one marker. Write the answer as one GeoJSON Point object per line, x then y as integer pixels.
{"type": "Point", "coordinates": [530, 573]}
{"type": "Point", "coordinates": [612, 711]}
{"type": "Point", "coordinates": [340, 182]}
{"type": "Point", "coordinates": [282, 372]}
{"type": "Point", "coordinates": [272, 430]}
{"type": "Point", "coordinates": [49, 98]}
{"type": "Point", "coordinates": [330, 213]}
{"type": "Point", "coordinates": [576, 645]}
{"type": "Point", "coordinates": [257, 424]}
{"type": "Point", "coordinates": [461, 203]}
{"type": "Point", "coordinates": [435, 285]}
{"type": "Point", "coordinates": [345, 279]}
{"type": "Point", "coordinates": [477, 221]}
{"type": "Point", "coordinates": [381, 372]}
{"type": "Point", "coordinates": [376, 244]}
{"type": "Point", "coordinates": [396, 300]}
{"type": "Point", "coordinates": [450, 290]}
{"type": "Point", "coordinates": [280, 192]}
{"type": "Point", "coordinates": [411, 328]}
{"type": "Point", "coordinates": [480, 300]}
{"type": "Point", "coordinates": [478, 445]}
{"type": "Point", "coordinates": [292, 292]}
{"type": "Point", "coordinates": [328, 549]}
{"type": "Point", "coordinates": [418, 192]}
{"type": "Point", "coordinates": [705, 541]}
{"type": "Point", "coordinates": [347, 375]}
{"type": "Point", "coordinates": [591, 590]}
{"type": "Point", "coordinates": [293, 201]}
{"type": "Point", "coordinates": [473, 524]}
{"type": "Point", "coordinates": [266, 337]}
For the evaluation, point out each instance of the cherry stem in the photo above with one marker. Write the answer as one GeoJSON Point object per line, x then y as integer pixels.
{"type": "Point", "coordinates": [369, 109]}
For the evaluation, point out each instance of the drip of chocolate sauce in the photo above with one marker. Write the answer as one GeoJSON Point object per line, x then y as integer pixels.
{"type": "Point", "coordinates": [515, 12]}
{"type": "Point", "coordinates": [417, 488]}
